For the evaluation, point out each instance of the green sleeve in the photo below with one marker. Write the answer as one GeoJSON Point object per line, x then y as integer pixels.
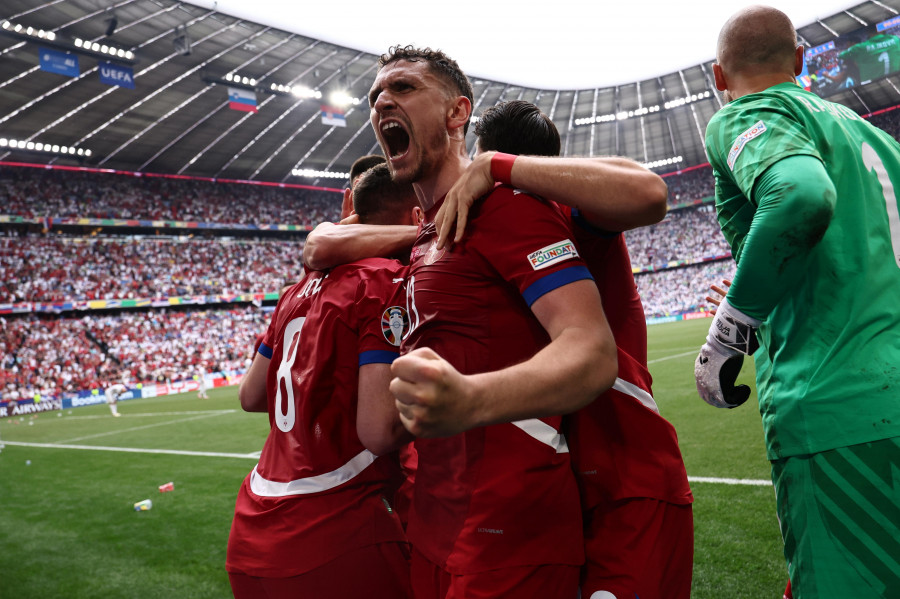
{"type": "Point", "coordinates": [795, 200]}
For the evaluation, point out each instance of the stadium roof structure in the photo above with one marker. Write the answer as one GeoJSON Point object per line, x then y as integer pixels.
{"type": "Point", "coordinates": [177, 119]}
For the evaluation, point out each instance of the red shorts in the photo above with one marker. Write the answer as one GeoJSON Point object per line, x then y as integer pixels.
{"type": "Point", "coordinates": [376, 572]}
{"type": "Point", "coordinates": [554, 581]}
{"type": "Point", "coordinates": [638, 547]}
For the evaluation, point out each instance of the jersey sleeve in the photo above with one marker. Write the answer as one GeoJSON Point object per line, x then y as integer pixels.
{"type": "Point", "coordinates": [528, 242]}
{"type": "Point", "coordinates": [381, 313]}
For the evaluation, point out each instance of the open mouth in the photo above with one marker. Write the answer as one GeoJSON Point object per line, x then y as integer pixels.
{"type": "Point", "coordinates": [395, 138]}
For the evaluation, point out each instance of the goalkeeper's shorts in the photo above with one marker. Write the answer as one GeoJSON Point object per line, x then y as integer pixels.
{"type": "Point", "coordinates": [840, 520]}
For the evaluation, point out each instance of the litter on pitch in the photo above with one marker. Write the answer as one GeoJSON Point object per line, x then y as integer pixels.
{"type": "Point", "coordinates": [143, 506]}
{"type": "Point", "coordinates": [170, 486]}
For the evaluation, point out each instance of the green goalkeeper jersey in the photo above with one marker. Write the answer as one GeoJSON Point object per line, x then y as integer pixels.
{"type": "Point", "coordinates": [828, 370]}
{"type": "Point", "coordinates": [876, 57]}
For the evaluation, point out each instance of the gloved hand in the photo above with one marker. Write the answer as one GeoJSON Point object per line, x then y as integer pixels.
{"type": "Point", "coordinates": [732, 334]}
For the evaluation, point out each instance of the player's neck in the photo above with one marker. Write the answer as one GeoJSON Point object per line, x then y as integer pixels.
{"type": "Point", "coordinates": [751, 84]}
{"type": "Point", "coordinates": [430, 190]}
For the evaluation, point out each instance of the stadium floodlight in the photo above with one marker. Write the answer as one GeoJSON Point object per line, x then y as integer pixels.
{"type": "Point", "coordinates": [342, 98]}
{"type": "Point", "coordinates": [42, 147]}
{"type": "Point", "coordinates": [314, 174]}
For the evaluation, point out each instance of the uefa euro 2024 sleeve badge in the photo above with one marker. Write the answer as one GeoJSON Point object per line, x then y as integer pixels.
{"type": "Point", "coordinates": [394, 324]}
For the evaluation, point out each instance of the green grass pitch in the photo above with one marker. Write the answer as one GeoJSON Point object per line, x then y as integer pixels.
{"type": "Point", "coordinates": [68, 527]}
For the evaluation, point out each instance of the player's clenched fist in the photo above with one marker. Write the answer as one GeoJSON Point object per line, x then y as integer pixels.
{"type": "Point", "coordinates": [433, 398]}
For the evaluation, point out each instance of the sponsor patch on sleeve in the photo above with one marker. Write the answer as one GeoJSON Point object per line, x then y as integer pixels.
{"type": "Point", "coordinates": [552, 254]}
{"type": "Point", "coordinates": [755, 131]}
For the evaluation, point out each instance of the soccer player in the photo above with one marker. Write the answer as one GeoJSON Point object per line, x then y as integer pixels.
{"type": "Point", "coordinates": [878, 56]}
{"type": "Point", "coordinates": [805, 195]}
{"type": "Point", "coordinates": [506, 331]}
{"type": "Point", "coordinates": [636, 501]}
{"type": "Point", "coordinates": [201, 379]}
{"type": "Point", "coordinates": [313, 518]}
{"type": "Point", "coordinates": [113, 392]}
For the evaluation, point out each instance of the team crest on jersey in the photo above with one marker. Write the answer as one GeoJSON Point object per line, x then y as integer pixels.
{"type": "Point", "coordinates": [552, 254]}
{"type": "Point", "coordinates": [394, 324]}
{"type": "Point", "coordinates": [737, 147]}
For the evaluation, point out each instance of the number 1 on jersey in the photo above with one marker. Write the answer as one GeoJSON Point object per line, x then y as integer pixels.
{"type": "Point", "coordinates": [873, 162]}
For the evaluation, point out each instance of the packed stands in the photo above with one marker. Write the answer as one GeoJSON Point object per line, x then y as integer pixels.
{"type": "Point", "coordinates": [50, 355]}
{"type": "Point", "coordinates": [41, 268]}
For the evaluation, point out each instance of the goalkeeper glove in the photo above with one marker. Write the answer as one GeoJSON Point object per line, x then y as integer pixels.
{"type": "Point", "coordinates": [731, 336]}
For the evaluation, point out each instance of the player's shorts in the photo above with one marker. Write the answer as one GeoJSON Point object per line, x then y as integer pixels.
{"type": "Point", "coordinates": [840, 520]}
{"type": "Point", "coordinates": [638, 548]}
{"type": "Point", "coordinates": [376, 572]}
{"type": "Point", "coordinates": [552, 581]}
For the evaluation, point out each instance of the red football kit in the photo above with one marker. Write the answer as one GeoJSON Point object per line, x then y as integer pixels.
{"type": "Point", "coordinates": [501, 496]}
{"type": "Point", "coordinates": [317, 494]}
{"type": "Point", "coordinates": [633, 484]}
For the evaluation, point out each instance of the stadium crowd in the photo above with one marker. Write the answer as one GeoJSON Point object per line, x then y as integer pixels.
{"type": "Point", "coordinates": [39, 193]}
{"type": "Point", "coordinates": [680, 290]}
{"type": "Point", "coordinates": [40, 268]}
{"type": "Point", "coordinates": [692, 186]}
{"type": "Point", "coordinates": [51, 355]}
{"type": "Point", "coordinates": [690, 235]}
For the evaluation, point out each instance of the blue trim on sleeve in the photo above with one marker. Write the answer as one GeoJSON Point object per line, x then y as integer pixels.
{"type": "Point", "coordinates": [584, 224]}
{"type": "Point", "coordinates": [555, 280]}
{"type": "Point", "coordinates": [265, 351]}
{"type": "Point", "coordinates": [377, 356]}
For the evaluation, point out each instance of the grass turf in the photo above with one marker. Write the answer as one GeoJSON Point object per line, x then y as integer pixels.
{"type": "Point", "coordinates": [68, 527]}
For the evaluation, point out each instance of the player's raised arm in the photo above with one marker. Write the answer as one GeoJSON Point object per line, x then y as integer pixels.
{"type": "Point", "coordinates": [611, 193]}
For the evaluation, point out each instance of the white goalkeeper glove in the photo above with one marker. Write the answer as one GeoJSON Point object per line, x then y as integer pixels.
{"type": "Point", "coordinates": [731, 336]}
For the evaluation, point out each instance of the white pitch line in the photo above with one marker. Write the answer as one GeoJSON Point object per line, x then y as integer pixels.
{"type": "Point", "coordinates": [208, 454]}
{"type": "Point", "coordinates": [255, 456]}
{"type": "Point", "coordinates": [145, 414]}
{"type": "Point", "coordinates": [689, 353]}
{"type": "Point", "coordinates": [730, 481]}
{"type": "Point", "coordinates": [138, 428]}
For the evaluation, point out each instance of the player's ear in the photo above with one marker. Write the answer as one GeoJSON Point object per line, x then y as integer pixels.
{"type": "Point", "coordinates": [798, 60]}
{"type": "Point", "coordinates": [416, 216]}
{"type": "Point", "coordinates": [459, 113]}
{"type": "Point", "coordinates": [719, 76]}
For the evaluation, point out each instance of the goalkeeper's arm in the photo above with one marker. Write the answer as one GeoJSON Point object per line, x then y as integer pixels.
{"type": "Point", "coordinates": [795, 201]}
{"type": "Point", "coordinates": [788, 223]}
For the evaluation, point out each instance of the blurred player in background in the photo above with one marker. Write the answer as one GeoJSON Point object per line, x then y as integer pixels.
{"type": "Point", "coordinates": [201, 379]}
{"type": "Point", "coordinates": [636, 501]}
{"type": "Point", "coordinates": [806, 196]}
{"type": "Point", "coordinates": [313, 518]}
{"type": "Point", "coordinates": [113, 392]}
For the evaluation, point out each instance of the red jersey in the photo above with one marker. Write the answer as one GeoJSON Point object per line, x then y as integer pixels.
{"type": "Point", "coordinates": [621, 446]}
{"type": "Point", "coordinates": [317, 493]}
{"type": "Point", "coordinates": [503, 495]}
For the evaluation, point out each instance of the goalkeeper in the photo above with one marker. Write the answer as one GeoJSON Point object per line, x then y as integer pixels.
{"type": "Point", "coordinates": [806, 196]}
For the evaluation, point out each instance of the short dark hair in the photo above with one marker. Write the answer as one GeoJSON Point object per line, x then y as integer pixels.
{"type": "Point", "coordinates": [440, 64]}
{"type": "Point", "coordinates": [378, 200]}
{"type": "Point", "coordinates": [364, 163]}
{"type": "Point", "coordinates": [517, 127]}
